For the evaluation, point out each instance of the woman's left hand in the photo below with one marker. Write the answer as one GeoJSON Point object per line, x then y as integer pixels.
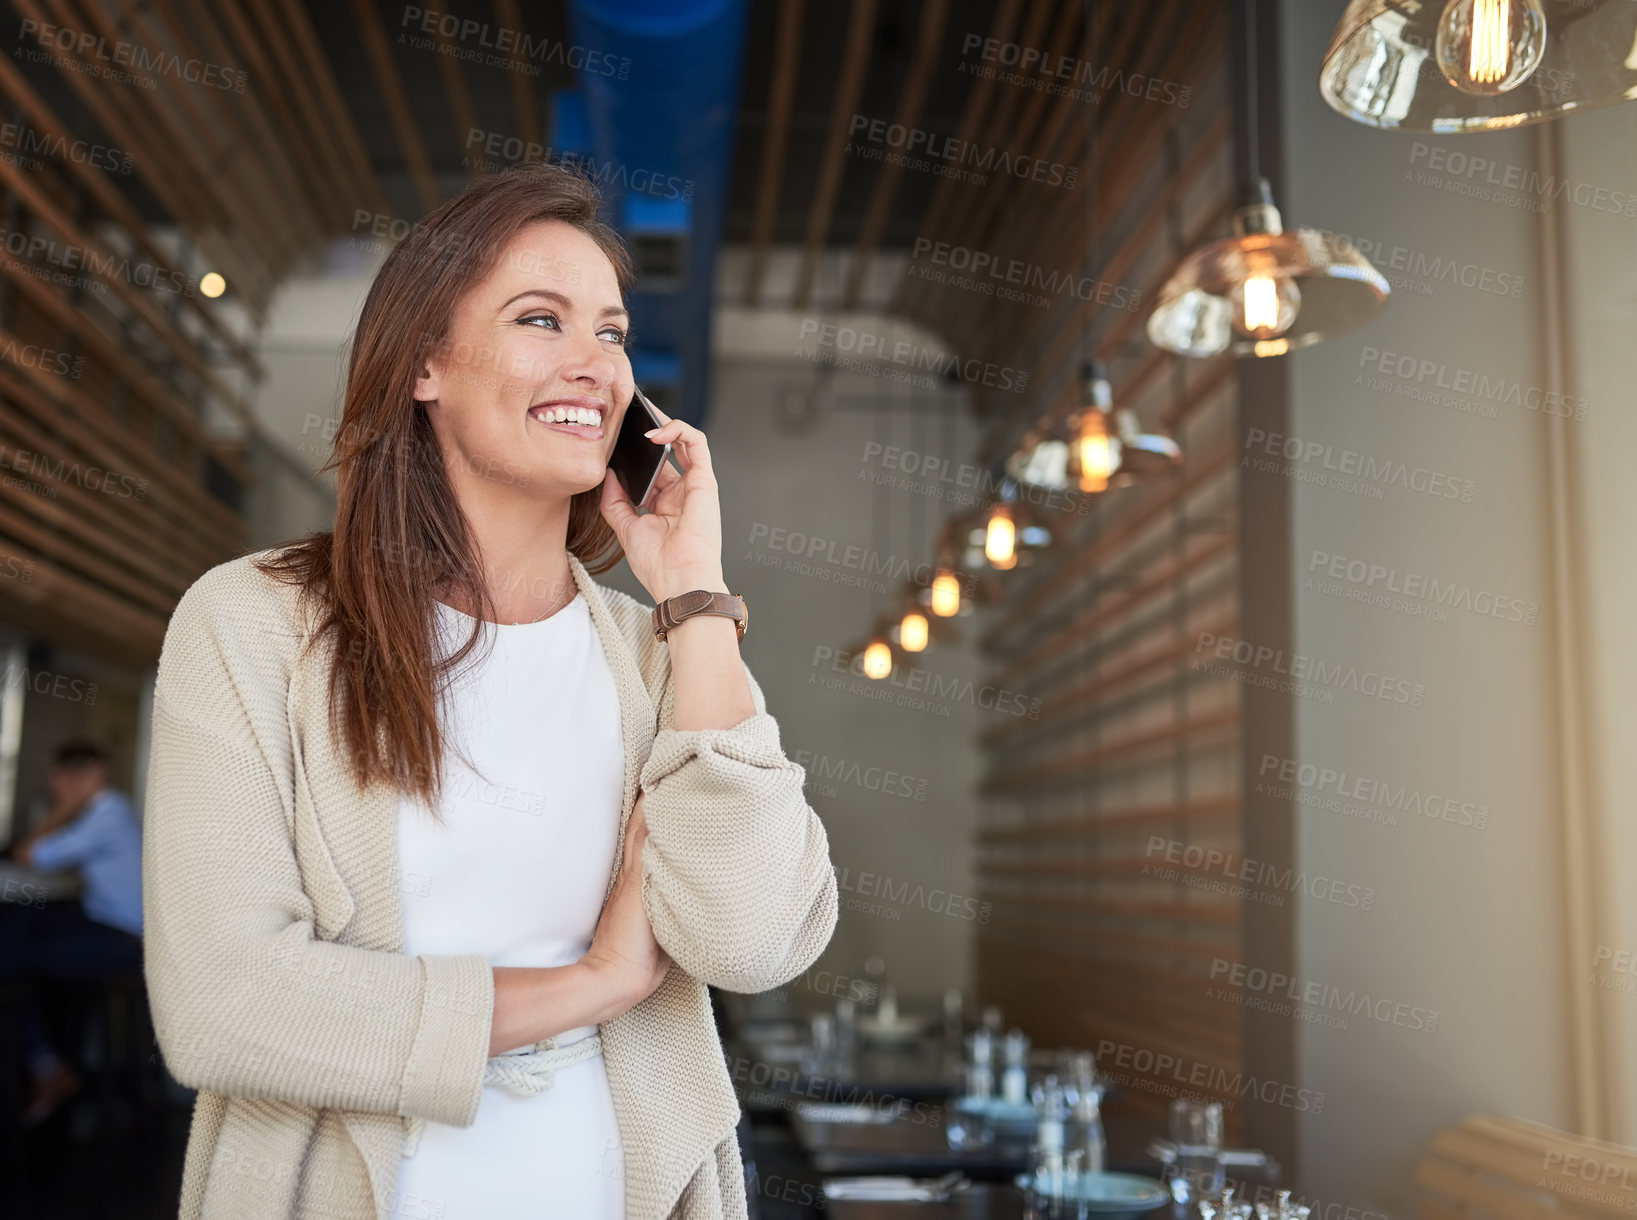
{"type": "Point", "coordinates": [677, 545]}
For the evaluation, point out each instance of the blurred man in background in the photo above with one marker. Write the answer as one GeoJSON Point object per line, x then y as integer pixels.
{"type": "Point", "coordinates": [91, 827]}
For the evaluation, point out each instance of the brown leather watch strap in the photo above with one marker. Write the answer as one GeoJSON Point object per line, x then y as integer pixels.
{"type": "Point", "coordinates": [673, 610]}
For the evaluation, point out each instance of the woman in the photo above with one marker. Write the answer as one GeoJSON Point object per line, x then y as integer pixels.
{"type": "Point", "coordinates": [443, 842]}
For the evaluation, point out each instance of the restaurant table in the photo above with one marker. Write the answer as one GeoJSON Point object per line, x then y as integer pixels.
{"type": "Point", "coordinates": [922, 1071]}
{"type": "Point", "coordinates": [24, 885]}
{"type": "Point", "coordinates": [980, 1201]}
{"type": "Point", "coordinates": [920, 1149]}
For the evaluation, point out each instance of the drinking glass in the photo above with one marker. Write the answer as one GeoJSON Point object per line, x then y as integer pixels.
{"type": "Point", "coordinates": [970, 1128]}
{"type": "Point", "coordinates": [817, 1061]}
{"type": "Point", "coordinates": [1055, 1191]}
{"type": "Point", "coordinates": [1196, 1130]}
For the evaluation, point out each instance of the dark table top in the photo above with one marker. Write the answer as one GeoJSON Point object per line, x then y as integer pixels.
{"type": "Point", "coordinates": [980, 1201]}
{"type": "Point", "coordinates": [921, 1071]}
{"type": "Point", "coordinates": [915, 1144]}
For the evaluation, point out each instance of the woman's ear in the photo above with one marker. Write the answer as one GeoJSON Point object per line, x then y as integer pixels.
{"type": "Point", "coordinates": [426, 382]}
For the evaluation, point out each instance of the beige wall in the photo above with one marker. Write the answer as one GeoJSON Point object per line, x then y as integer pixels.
{"type": "Point", "coordinates": [1466, 921]}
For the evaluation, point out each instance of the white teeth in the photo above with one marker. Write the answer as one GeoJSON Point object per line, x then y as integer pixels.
{"type": "Point", "coordinates": [587, 416]}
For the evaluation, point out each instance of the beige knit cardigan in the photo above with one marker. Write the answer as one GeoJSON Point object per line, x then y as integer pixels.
{"type": "Point", "coordinates": [274, 935]}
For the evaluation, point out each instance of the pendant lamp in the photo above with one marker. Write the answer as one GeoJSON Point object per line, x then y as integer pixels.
{"type": "Point", "coordinates": [1478, 65]}
{"type": "Point", "coordinates": [1266, 290]}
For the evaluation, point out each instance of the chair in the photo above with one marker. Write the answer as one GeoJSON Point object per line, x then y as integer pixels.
{"type": "Point", "coordinates": [1491, 1167]}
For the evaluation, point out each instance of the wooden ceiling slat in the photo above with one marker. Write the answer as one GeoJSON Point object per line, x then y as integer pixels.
{"type": "Point", "coordinates": [300, 199]}
{"type": "Point", "coordinates": [525, 111]}
{"type": "Point", "coordinates": [43, 119]}
{"type": "Point", "coordinates": [933, 18]}
{"type": "Point", "coordinates": [154, 163]}
{"type": "Point", "coordinates": [385, 72]}
{"type": "Point", "coordinates": [786, 65]}
{"type": "Point", "coordinates": [155, 113]}
{"type": "Point", "coordinates": [51, 302]}
{"type": "Point", "coordinates": [1218, 913]}
{"type": "Point", "coordinates": [365, 183]}
{"type": "Point", "coordinates": [1100, 614]}
{"type": "Point", "coordinates": [855, 63]}
{"type": "Point", "coordinates": [254, 199]}
{"type": "Point", "coordinates": [1120, 753]}
{"type": "Point", "coordinates": [456, 92]}
{"type": "Point", "coordinates": [20, 184]}
{"type": "Point", "coordinates": [62, 535]}
{"type": "Point", "coordinates": [1130, 113]}
{"type": "Point", "coordinates": [1195, 473]}
{"type": "Point", "coordinates": [292, 82]}
{"type": "Point", "coordinates": [69, 610]}
{"type": "Point", "coordinates": [1060, 142]}
{"type": "Point", "coordinates": [946, 193]}
{"type": "Point", "coordinates": [1139, 815]}
{"type": "Point", "coordinates": [302, 189]}
{"type": "Point", "coordinates": [88, 424]}
{"type": "Point", "coordinates": [148, 547]}
{"type": "Point", "coordinates": [1063, 340]}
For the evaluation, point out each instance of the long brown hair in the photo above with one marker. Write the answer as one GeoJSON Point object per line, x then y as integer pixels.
{"type": "Point", "coordinates": [400, 537]}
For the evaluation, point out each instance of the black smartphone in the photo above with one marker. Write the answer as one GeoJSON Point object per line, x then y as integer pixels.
{"type": "Point", "coordinates": [636, 460]}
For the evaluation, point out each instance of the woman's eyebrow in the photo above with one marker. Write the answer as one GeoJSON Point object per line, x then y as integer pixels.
{"type": "Point", "coordinates": [560, 299]}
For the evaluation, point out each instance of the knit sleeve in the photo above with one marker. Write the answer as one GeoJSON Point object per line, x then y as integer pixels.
{"type": "Point", "coordinates": [737, 877]}
{"type": "Point", "coordinates": [246, 1002]}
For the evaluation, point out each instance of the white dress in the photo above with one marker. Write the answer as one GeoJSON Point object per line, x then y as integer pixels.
{"type": "Point", "coordinates": [517, 872]}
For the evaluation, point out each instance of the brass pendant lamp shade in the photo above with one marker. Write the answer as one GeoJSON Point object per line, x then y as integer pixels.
{"type": "Point", "coordinates": [1478, 65]}
{"type": "Point", "coordinates": [1266, 290]}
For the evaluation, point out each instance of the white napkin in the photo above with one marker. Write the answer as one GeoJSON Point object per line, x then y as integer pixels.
{"type": "Point", "coordinates": [841, 1112]}
{"type": "Point", "coordinates": [883, 1189]}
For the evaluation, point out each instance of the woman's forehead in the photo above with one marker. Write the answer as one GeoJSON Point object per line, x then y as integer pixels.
{"type": "Point", "coordinates": [555, 255]}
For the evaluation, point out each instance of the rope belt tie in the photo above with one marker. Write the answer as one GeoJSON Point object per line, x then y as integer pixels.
{"type": "Point", "coordinates": [520, 1075]}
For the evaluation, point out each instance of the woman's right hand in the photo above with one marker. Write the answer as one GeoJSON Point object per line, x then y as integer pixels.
{"type": "Point", "coordinates": [624, 956]}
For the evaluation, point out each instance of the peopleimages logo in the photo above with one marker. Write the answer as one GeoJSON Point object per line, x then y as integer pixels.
{"type": "Point", "coordinates": [1161, 1072]}
{"type": "Point", "coordinates": [869, 345]}
{"type": "Point", "coordinates": [86, 45]}
{"type": "Point", "coordinates": [1399, 798]}
{"type": "Point", "coordinates": [1365, 576]}
{"type": "Point", "coordinates": [1052, 68]}
{"type": "Point", "coordinates": [1511, 182]}
{"type": "Point", "coordinates": [1323, 996]}
{"type": "Point", "coordinates": [511, 43]}
{"type": "Point", "coordinates": [1480, 388]}
{"type": "Point", "coordinates": [986, 271]}
{"type": "Point", "coordinates": [954, 151]}
{"type": "Point", "coordinates": [1307, 669]}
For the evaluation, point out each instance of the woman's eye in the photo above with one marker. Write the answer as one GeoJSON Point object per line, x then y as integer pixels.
{"type": "Point", "coordinates": [613, 332]}
{"type": "Point", "coordinates": [541, 317]}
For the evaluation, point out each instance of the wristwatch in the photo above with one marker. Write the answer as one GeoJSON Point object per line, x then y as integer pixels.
{"type": "Point", "coordinates": [673, 610]}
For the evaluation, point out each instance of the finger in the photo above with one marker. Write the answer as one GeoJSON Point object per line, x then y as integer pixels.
{"type": "Point", "coordinates": [692, 448]}
{"type": "Point", "coordinates": [616, 505]}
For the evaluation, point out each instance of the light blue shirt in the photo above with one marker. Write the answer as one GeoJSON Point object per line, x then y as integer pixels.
{"type": "Point", "coordinates": [105, 844]}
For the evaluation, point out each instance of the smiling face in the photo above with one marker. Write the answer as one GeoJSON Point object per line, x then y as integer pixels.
{"type": "Point", "coordinates": [528, 389]}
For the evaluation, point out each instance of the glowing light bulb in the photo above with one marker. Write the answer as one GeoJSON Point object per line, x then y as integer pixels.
{"type": "Point", "coordinates": [1488, 47]}
{"type": "Point", "coordinates": [877, 660]}
{"type": "Point", "coordinates": [1096, 451]}
{"type": "Point", "coordinates": [946, 594]}
{"type": "Point", "coordinates": [1000, 538]}
{"type": "Point", "coordinates": [1265, 305]}
{"type": "Point", "coordinates": [912, 632]}
{"type": "Point", "coordinates": [212, 284]}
